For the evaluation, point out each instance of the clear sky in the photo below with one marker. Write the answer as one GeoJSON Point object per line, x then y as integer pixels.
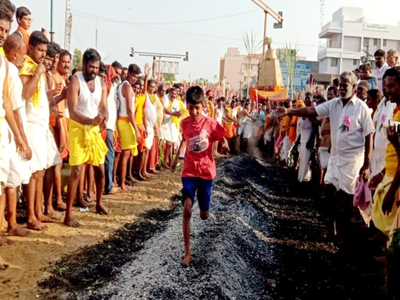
{"type": "Point", "coordinates": [173, 26]}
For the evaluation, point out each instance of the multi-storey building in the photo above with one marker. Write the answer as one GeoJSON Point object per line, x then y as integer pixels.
{"type": "Point", "coordinates": [352, 40]}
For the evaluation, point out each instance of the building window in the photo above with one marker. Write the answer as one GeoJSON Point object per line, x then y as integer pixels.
{"type": "Point", "coordinates": [375, 42]}
{"type": "Point", "coordinates": [355, 62]}
{"type": "Point", "coordinates": [384, 43]}
{"type": "Point", "coordinates": [334, 62]}
{"type": "Point", "coordinates": [366, 42]}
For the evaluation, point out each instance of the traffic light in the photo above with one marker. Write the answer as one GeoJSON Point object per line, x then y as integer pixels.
{"type": "Point", "coordinates": [186, 58]}
{"type": "Point", "coordinates": [279, 25]}
{"type": "Point", "coordinates": [132, 52]}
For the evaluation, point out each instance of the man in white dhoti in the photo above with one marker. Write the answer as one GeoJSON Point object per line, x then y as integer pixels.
{"type": "Point", "coordinates": [351, 136]}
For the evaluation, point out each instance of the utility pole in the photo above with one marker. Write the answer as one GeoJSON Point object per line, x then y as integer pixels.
{"type": "Point", "coordinates": [267, 10]}
{"type": "Point", "coordinates": [51, 22]}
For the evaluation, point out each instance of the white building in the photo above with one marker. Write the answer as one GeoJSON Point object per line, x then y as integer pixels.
{"type": "Point", "coordinates": [350, 38]}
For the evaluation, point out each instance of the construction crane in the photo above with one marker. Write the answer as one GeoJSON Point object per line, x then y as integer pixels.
{"type": "Point", "coordinates": [267, 10]}
{"type": "Point", "coordinates": [68, 25]}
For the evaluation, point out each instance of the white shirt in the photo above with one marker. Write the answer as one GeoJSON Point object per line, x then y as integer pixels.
{"type": "Point", "coordinates": [112, 108]}
{"type": "Point", "coordinates": [383, 114]}
{"type": "Point", "coordinates": [347, 152]}
{"type": "Point", "coordinates": [88, 102]}
{"type": "Point", "coordinates": [379, 75]}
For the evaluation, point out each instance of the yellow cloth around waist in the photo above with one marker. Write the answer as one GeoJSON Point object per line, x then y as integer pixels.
{"type": "Point", "coordinates": [381, 221]}
{"type": "Point", "coordinates": [127, 135]}
{"type": "Point", "coordinates": [86, 145]}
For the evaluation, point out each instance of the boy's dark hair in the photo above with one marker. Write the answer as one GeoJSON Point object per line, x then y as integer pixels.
{"type": "Point", "coordinates": [90, 55]}
{"type": "Point", "coordinates": [335, 81]}
{"type": "Point", "coordinates": [22, 12]}
{"type": "Point", "coordinates": [137, 82]}
{"type": "Point", "coordinates": [51, 52]}
{"type": "Point", "coordinates": [103, 68]}
{"type": "Point", "coordinates": [151, 81]}
{"type": "Point", "coordinates": [125, 69]}
{"type": "Point", "coordinates": [134, 69]}
{"type": "Point", "coordinates": [208, 92]}
{"type": "Point", "coordinates": [195, 95]}
{"type": "Point", "coordinates": [375, 94]}
{"type": "Point", "coordinates": [365, 67]}
{"type": "Point", "coordinates": [393, 72]}
{"type": "Point", "coordinates": [38, 37]}
{"type": "Point", "coordinates": [5, 14]}
{"type": "Point", "coordinates": [220, 100]}
{"type": "Point", "coordinates": [65, 53]}
{"type": "Point", "coordinates": [116, 65]}
{"type": "Point", "coordinates": [56, 47]}
{"type": "Point", "coordinates": [380, 52]}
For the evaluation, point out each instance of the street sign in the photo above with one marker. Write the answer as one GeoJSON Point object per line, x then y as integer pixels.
{"type": "Point", "coordinates": [168, 67]}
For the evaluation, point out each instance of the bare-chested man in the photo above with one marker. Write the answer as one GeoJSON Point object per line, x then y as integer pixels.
{"type": "Point", "coordinates": [87, 105]}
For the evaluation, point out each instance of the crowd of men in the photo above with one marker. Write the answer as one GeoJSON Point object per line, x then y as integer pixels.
{"type": "Point", "coordinates": [113, 127]}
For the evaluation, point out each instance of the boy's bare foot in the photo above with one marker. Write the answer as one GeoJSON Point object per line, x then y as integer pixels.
{"type": "Point", "coordinates": [3, 264]}
{"type": "Point", "coordinates": [186, 260]}
{"type": "Point", "coordinates": [17, 231]}
{"type": "Point", "coordinates": [167, 167]}
{"type": "Point", "coordinates": [154, 172]}
{"type": "Point", "coordinates": [61, 205]}
{"type": "Point", "coordinates": [141, 177]}
{"type": "Point", "coordinates": [102, 210]}
{"type": "Point", "coordinates": [5, 242]}
{"type": "Point", "coordinates": [71, 222]}
{"type": "Point", "coordinates": [36, 225]}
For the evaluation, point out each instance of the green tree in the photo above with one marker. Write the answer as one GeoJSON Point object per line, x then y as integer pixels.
{"type": "Point", "coordinates": [289, 57]}
{"type": "Point", "coordinates": [169, 77]}
{"type": "Point", "coordinates": [77, 59]}
{"type": "Point", "coordinates": [252, 47]}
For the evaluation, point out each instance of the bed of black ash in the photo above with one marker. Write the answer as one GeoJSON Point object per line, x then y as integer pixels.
{"type": "Point", "coordinates": [265, 239]}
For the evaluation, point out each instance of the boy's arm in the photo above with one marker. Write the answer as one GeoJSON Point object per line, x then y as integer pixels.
{"type": "Point", "coordinates": [175, 161]}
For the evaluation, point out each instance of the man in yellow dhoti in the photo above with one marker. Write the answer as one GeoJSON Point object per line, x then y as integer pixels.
{"type": "Point", "coordinates": [87, 104]}
{"type": "Point", "coordinates": [126, 123]}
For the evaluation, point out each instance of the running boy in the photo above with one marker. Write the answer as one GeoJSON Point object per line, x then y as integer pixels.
{"type": "Point", "coordinates": [199, 132]}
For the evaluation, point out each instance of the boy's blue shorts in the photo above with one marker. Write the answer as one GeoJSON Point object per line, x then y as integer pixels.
{"type": "Point", "coordinates": [203, 188]}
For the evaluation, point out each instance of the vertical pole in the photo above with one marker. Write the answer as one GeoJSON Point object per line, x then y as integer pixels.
{"type": "Point", "coordinates": [265, 32]}
{"type": "Point", "coordinates": [51, 22]}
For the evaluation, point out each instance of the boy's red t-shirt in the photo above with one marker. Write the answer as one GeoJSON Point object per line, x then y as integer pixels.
{"type": "Point", "coordinates": [200, 135]}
